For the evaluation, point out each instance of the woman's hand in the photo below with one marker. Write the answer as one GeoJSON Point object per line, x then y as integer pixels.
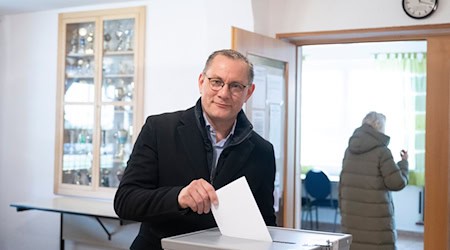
{"type": "Point", "coordinates": [404, 154]}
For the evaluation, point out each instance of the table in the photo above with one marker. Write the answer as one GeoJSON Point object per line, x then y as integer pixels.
{"type": "Point", "coordinates": [70, 205]}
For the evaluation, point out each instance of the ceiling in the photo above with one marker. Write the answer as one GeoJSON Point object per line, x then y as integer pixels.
{"type": "Point", "coordinates": [8, 7]}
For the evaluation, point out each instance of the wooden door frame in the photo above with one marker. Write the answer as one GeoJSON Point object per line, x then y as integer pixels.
{"type": "Point", "coordinates": [437, 146]}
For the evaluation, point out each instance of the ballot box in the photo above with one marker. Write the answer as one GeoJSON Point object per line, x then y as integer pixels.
{"type": "Point", "coordinates": [282, 238]}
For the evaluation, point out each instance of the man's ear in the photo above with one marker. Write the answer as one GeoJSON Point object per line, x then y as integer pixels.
{"type": "Point", "coordinates": [251, 88]}
{"type": "Point", "coordinates": [201, 80]}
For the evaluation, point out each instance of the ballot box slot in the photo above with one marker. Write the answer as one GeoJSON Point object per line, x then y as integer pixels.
{"type": "Point", "coordinates": [284, 242]}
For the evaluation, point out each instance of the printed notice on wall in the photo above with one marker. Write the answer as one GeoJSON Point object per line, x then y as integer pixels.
{"type": "Point", "coordinates": [274, 88]}
{"type": "Point", "coordinates": [259, 121]}
{"type": "Point", "coordinates": [275, 128]}
{"type": "Point", "coordinates": [259, 95]}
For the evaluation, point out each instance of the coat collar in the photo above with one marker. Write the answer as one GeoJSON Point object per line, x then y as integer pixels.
{"type": "Point", "coordinates": [194, 143]}
{"type": "Point", "coordinates": [242, 130]}
{"type": "Point", "coordinates": [198, 146]}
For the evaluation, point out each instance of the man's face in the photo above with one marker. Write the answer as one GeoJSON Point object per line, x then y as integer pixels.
{"type": "Point", "coordinates": [224, 104]}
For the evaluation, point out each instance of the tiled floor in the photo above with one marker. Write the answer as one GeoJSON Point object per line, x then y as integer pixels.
{"type": "Point", "coordinates": [409, 241]}
{"type": "Point", "coordinates": [405, 241]}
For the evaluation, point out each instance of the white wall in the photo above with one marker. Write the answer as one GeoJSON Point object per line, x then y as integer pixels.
{"type": "Point", "coordinates": [177, 49]}
{"type": "Point", "coordinates": [28, 98]}
{"type": "Point", "coordinates": [319, 15]}
{"type": "Point", "coordinates": [180, 34]}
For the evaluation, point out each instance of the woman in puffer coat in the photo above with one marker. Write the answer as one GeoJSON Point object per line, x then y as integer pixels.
{"type": "Point", "coordinates": [368, 176]}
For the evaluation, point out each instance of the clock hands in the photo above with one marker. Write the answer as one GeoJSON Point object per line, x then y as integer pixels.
{"type": "Point", "coordinates": [426, 2]}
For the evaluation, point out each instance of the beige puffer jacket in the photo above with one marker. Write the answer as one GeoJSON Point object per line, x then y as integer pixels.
{"type": "Point", "coordinates": [368, 175]}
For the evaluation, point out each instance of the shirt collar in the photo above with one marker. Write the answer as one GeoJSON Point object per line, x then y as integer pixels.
{"type": "Point", "coordinates": [212, 130]}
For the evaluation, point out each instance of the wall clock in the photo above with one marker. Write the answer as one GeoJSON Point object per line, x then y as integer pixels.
{"type": "Point", "coordinates": [419, 9]}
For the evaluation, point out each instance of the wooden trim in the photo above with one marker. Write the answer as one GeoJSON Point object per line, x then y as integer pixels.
{"type": "Point", "coordinates": [139, 72]}
{"type": "Point", "coordinates": [59, 119]}
{"type": "Point", "coordinates": [400, 33]}
{"type": "Point", "coordinates": [437, 158]}
{"type": "Point", "coordinates": [437, 147]}
{"type": "Point", "coordinates": [111, 13]}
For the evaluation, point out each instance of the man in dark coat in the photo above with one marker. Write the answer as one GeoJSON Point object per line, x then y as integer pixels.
{"type": "Point", "coordinates": [181, 158]}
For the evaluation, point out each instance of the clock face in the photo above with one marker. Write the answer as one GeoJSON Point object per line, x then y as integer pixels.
{"type": "Point", "coordinates": [419, 8]}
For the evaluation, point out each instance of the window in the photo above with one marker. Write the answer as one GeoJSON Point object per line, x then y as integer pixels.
{"type": "Point", "coordinates": [342, 83]}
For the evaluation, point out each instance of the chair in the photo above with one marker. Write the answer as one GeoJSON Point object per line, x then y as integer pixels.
{"type": "Point", "coordinates": [318, 189]}
{"type": "Point", "coordinates": [306, 211]}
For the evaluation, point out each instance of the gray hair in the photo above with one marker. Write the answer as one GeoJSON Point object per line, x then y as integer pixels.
{"type": "Point", "coordinates": [376, 120]}
{"type": "Point", "coordinates": [232, 54]}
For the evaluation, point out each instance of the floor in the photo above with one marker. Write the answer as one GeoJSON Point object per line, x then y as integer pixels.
{"type": "Point", "coordinates": [410, 241]}
{"type": "Point", "coordinates": [406, 240]}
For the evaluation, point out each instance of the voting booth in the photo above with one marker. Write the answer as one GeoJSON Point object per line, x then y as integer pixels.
{"type": "Point", "coordinates": [282, 238]}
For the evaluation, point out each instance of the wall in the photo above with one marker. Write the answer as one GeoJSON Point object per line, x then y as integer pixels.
{"type": "Point", "coordinates": [320, 15]}
{"type": "Point", "coordinates": [28, 98]}
{"type": "Point", "coordinates": [180, 35]}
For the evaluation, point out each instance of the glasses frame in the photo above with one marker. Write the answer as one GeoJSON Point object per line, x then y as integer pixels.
{"type": "Point", "coordinates": [234, 87]}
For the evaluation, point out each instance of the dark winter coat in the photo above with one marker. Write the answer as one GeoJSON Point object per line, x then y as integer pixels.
{"type": "Point", "coordinates": [171, 151]}
{"type": "Point", "coordinates": [368, 175]}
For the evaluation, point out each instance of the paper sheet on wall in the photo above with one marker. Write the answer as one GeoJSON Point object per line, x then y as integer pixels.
{"type": "Point", "coordinates": [259, 96]}
{"type": "Point", "coordinates": [274, 88]}
{"type": "Point", "coordinates": [237, 214]}
{"type": "Point", "coordinates": [275, 129]}
{"type": "Point", "coordinates": [259, 122]}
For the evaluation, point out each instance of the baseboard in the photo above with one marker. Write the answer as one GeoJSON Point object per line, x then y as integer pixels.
{"type": "Point", "coordinates": [409, 233]}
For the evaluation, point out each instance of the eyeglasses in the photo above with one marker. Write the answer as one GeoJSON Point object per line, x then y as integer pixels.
{"type": "Point", "coordinates": [217, 84]}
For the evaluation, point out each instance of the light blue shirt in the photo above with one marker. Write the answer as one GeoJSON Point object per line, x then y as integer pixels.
{"type": "Point", "coordinates": [218, 146]}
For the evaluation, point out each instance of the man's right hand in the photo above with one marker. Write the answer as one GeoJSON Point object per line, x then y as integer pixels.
{"type": "Point", "coordinates": [198, 195]}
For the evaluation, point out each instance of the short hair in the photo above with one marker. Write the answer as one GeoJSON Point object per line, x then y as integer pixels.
{"type": "Point", "coordinates": [375, 120]}
{"type": "Point", "coordinates": [232, 54]}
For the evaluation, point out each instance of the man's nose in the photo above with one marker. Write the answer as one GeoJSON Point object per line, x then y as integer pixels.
{"type": "Point", "coordinates": [225, 89]}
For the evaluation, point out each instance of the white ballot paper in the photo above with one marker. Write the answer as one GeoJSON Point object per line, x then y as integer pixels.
{"type": "Point", "coordinates": [237, 214]}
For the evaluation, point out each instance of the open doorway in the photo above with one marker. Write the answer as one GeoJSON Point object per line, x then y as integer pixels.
{"type": "Point", "coordinates": [340, 83]}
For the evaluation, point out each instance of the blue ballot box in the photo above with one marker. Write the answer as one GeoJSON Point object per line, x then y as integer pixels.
{"type": "Point", "coordinates": [282, 238]}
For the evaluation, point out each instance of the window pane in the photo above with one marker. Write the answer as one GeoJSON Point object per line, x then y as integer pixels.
{"type": "Point", "coordinates": [420, 141]}
{"type": "Point", "coordinates": [420, 103]}
{"type": "Point", "coordinates": [118, 35]}
{"type": "Point", "coordinates": [79, 91]}
{"type": "Point", "coordinates": [420, 122]}
{"type": "Point", "coordinates": [420, 84]}
{"type": "Point", "coordinates": [420, 160]}
{"type": "Point", "coordinates": [116, 145]}
{"type": "Point", "coordinates": [77, 158]}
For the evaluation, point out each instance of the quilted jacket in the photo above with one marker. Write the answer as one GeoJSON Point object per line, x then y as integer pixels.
{"type": "Point", "coordinates": [368, 176]}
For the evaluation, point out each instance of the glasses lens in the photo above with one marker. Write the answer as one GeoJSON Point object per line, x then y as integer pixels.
{"type": "Point", "coordinates": [215, 84]}
{"type": "Point", "coordinates": [236, 88]}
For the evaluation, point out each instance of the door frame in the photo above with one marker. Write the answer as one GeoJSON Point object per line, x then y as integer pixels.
{"type": "Point", "coordinates": [437, 145]}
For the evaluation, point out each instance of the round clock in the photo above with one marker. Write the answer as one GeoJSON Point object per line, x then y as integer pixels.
{"type": "Point", "coordinates": [419, 8]}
